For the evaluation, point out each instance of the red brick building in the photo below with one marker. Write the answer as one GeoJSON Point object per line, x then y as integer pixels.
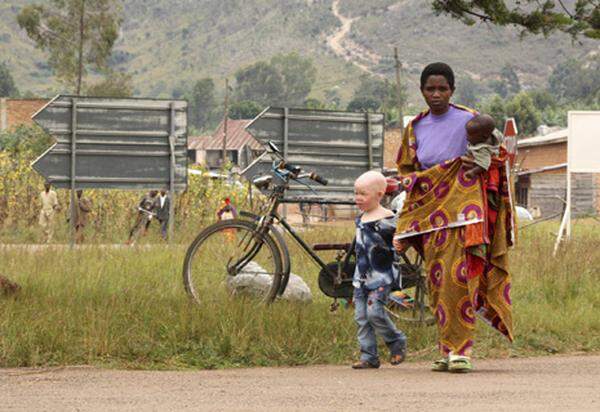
{"type": "Point", "coordinates": [15, 112]}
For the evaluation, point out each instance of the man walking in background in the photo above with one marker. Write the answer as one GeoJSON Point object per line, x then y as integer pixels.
{"type": "Point", "coordinates": [144, 216]}
{"type": "Point", "coordinates": [161, 208]}
{"type": "Point", "coordinates": [84, 207]}
{"type": "Point", "coordinates": [50, 206]}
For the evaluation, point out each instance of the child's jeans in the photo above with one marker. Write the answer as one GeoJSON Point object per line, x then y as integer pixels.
{"type": "Point", "coordinates": [372, 319]}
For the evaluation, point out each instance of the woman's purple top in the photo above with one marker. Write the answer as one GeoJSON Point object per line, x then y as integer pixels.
{"type": "Point", "coordinates": [443, 137]}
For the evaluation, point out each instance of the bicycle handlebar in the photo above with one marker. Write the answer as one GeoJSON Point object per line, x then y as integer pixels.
{"type": "Point", "coordinates": [296, 172]}
{"type": "Point", "coordinates": [319, 179]}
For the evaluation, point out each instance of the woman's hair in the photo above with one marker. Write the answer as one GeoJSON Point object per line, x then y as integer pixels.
{"type": "Point", "coordinates": [437, 69]}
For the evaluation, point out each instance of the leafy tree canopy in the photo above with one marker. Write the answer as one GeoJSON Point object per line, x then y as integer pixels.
{"type": "Point", "coordinates": [246, 109]}
{"type": "Point", "coordinates": [202, 103]}
{"type": "Point", "coordinates": [78, 35]}
{"type": "Point", "coordinates": [8, 88]}
{"type": "Point", "coordinates": [581, 17]}
{"type": "Point", "coordinates": [284, 81]}
{"type": "Point", "coordinates": [115, 84]}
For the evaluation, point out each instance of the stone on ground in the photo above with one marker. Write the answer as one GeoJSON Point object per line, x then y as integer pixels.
{"type": "Point", "coordinates": [254, 280]}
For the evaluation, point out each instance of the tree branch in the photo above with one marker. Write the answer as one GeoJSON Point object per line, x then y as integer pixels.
{"type": "Point", "coordinates": [566, 10]}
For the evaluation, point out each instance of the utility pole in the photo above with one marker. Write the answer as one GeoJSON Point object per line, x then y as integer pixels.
{"type": "Point", "coordinates": [399, 90]}
{"type": "Point", "coordinates": [225, 119]}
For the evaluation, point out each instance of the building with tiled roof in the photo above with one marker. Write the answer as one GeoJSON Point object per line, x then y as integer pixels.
{"type": "Point", "coordinates": [241, 147]}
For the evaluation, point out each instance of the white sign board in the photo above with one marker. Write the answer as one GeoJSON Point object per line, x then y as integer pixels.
{"type": "Point", "coordinates": [584, 142]}
{"type": "Point", "coordinates": [583, 150]}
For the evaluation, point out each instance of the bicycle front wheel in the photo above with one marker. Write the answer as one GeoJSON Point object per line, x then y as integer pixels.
{"type": "Point", "coordinates": [232, 258]}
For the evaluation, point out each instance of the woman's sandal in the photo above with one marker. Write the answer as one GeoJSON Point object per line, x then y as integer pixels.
{"type": "Point", "coordinates": [440, 365]}
{"type": "Point", "coordinates": [459, 364]}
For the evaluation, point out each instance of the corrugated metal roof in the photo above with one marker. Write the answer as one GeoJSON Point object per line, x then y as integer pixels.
{"type": "Point", "coordinates": [198, 142]}
{"type": "Point", "coordinates": [558, 136]}
{"type": "Point", "coordinates": [237, 137]}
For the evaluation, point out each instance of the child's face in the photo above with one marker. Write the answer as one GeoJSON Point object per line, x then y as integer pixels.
{"type": "Point", "coordinates": [366, 198]}
{"type": "Point", "coordinates": [475, 135]}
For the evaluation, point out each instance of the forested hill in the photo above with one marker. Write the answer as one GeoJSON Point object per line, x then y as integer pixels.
{"type": "Point", "coordinates": [166, 44]}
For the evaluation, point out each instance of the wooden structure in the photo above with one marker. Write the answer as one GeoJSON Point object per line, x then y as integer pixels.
{"type": "Point", "coordinates": [541, 184]}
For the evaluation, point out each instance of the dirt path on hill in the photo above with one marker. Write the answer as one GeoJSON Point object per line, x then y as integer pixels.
{"type": "Point", "coordinates": [346, 48]}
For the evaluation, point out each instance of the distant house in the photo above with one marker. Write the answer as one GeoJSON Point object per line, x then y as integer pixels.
{"type": "Point", "coordinates": [196, 149]}
{"type": "Point", "coordinates": [241, 147]}
{"type": "Point", "coordinates": [541, 183]}
{"type": "Point", "coordinates": [17, 112]}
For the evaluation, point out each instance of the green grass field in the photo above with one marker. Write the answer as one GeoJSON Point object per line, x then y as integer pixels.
{"type": "Point", "coordinates": [127, 308]}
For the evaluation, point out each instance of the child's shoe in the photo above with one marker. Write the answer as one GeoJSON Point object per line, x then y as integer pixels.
{"type": "Point", "coordinates": [365, 365]}
{"type": "Point", "coordinates": [398, 358]}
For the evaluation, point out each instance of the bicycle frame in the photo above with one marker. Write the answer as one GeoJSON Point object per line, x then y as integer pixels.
{"type": "Point", "coordinates": [272, 217]}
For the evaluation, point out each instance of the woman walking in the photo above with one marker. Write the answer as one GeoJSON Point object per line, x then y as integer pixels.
{"type": "Point", "coordinates": [461, 224]}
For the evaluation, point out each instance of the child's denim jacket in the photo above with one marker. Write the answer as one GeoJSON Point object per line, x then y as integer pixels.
{"type": "Point", "coordinates": [375, 254]}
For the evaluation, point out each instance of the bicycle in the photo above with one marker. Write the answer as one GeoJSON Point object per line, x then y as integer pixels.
{"type": "Point", "coordinates": [253, 245]}
{"type": "Point", "coordinates": [143, 219]}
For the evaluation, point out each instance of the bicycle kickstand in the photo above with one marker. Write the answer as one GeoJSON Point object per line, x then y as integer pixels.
{"type": "Point", "coordinates": [334, 306]}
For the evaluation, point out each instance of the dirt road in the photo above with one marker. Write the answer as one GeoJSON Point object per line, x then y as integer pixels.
{"type": "Point", "coordinates": [343, 46]}
{"type": "Point", "coordinates": [551, 383]}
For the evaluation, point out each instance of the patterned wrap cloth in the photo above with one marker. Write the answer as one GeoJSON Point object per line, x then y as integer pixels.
{"type": "Point", "coordinates": [463, 228]}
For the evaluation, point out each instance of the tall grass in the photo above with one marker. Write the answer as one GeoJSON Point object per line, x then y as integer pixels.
{"type": "Point", "coordinates": [127, 308]}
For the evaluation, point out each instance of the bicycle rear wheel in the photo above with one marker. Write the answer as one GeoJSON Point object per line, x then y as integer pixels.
{"type": "Point", "coordinates": [232, 258]}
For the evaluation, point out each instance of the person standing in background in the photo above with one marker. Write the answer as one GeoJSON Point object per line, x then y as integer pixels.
{"type": "Point", "coordinates": [84, 207]}
{"type": "Point", "coordinates": [162, 204]}
{"type": "Point", "coordinates": [50, 206]}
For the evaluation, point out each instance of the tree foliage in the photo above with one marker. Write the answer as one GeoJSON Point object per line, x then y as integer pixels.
{"type": "Point", "coordinates": [78, 35]}
{"type": "Point", "coordinates": [114, 84]}
{"type": "Point", "coordinates": [259, 82]}
{"type": "Point", "coordinates": [467, 92]}
{"type": "Point", "coordinates": [298, 75]}
{"type": "Point", "coordinates": [509, 76]}
{"type": "Point", "coordinates": [25, 139]}
{"type": "Point", "coordinates": [374, 93]}
{"type": "Point", "coordinates": [286, 80]}
{"type": "Point", "coordinates": [8, 88]}
{"type": "Point", "coordinates": [246, 109]}
{"type": "Point", "coordinates": [508, 83]}
{"type": "Point", "coordinates": [575, 80]}
{"type": "Point", "coordinates": [581, 17]}
{"type": "Point", "coordinates": [363, 104]}
{"type": "Point", "coordinates": [521, 107]}
{"type": "Point", "coordinates": [202, 103]}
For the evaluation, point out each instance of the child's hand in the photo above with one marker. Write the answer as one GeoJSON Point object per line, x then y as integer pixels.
{"type": "Point", "coordinates": [468, 160]}
{"type": "Point", "coordinates": [399, 245]}
{"type": "Point", "coordinates": [474, 172]}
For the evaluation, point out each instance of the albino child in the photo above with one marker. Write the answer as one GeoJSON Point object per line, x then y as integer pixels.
{"type": "Point", "coordinates": [375, 273]}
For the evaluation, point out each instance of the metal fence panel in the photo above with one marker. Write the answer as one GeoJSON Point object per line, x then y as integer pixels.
{"type": "Point", "coordinates": [336, 145]}
{"type": "Point", "coordinates": [120, 143]}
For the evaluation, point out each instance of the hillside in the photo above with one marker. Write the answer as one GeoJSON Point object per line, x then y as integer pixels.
{"type": "Point", "coordinates": [166, 43]}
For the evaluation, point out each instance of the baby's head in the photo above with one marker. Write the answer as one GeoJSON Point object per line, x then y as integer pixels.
{"type": "Point", "coordinates": [369, 188]}
{"type": "Point", "coordinates": [480, 128]}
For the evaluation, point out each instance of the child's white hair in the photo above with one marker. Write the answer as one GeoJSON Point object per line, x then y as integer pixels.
{"type": "Point", "coordinates": [373, 180]}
